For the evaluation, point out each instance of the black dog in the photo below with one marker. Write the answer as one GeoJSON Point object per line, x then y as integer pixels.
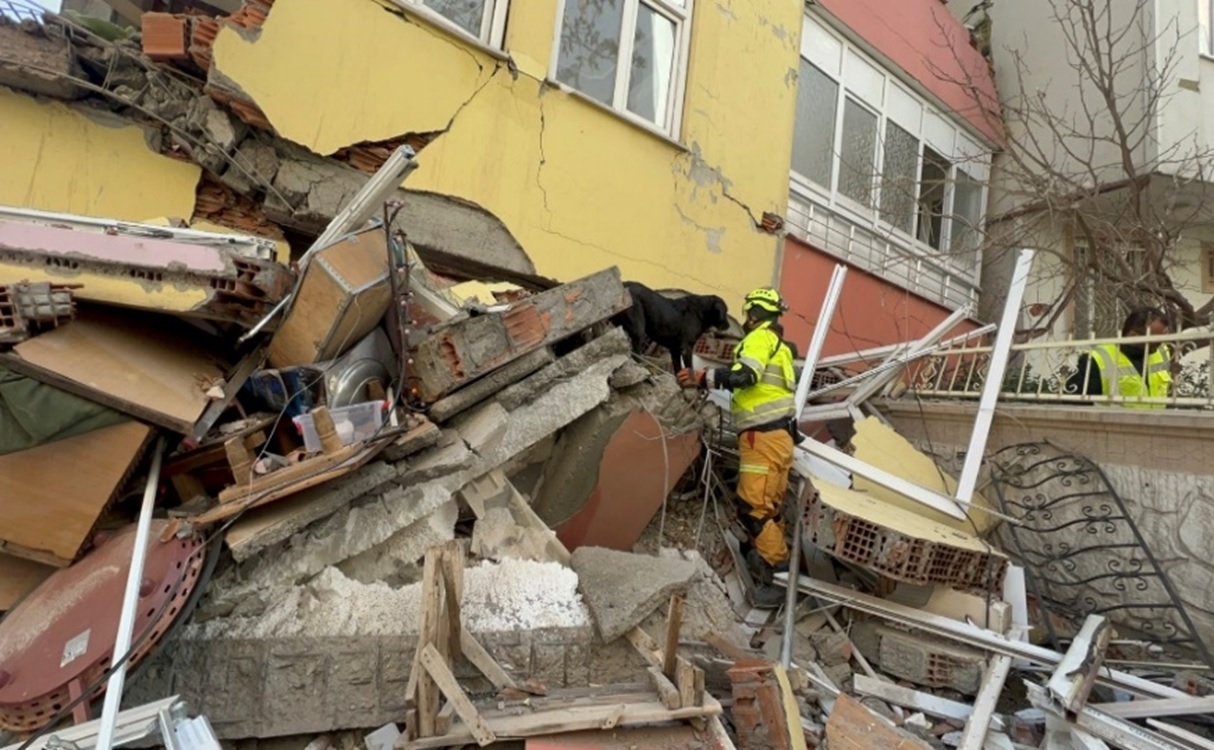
{"type": "Point", "coordinates": [676, 324]}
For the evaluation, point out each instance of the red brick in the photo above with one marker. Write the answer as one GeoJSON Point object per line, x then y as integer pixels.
{"type": "Point", "coordinates": [164, 36]}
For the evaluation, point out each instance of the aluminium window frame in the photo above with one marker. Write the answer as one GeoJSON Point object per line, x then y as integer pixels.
{"type": "Point", "coordinates": [493, 24]}
{"type": "Point", "coordinates": [681, 13]}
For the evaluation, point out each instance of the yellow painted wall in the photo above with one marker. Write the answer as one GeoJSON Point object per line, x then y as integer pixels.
{"type": "Point", "coordinates": [56, 159]}
{"type": "Point", "coordinates": [578, 186]}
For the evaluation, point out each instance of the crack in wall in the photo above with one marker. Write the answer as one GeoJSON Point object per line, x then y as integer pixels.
{"type": "Point", "coordinates": [539, 182]}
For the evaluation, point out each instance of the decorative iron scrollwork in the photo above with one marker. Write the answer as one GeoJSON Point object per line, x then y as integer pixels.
{"type": "Point", "coordinates": [1082, 551]}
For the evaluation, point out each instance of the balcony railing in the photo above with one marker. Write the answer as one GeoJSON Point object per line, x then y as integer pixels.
{"type": "Point", "coordinates": [1041, 371]}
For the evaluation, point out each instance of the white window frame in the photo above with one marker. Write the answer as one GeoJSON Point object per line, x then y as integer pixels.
{"type": "Point", "coordinates": [831, 53]}
{"type": "Point", "coordinates": [1205, 27]}
{"type": "Point", "coordinates": [680, 12]}
{"type": "Point", "coordinates": [493, 24]}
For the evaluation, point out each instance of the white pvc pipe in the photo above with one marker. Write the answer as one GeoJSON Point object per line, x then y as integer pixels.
{"type": "Point", "coordinates": [975, 454]}
{"type": "Point", "coordinates": [130, 602]}
{"type": "Point", "coordinates": [818, 340]}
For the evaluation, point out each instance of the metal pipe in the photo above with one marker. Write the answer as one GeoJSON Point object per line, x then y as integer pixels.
{"type": "Point", "coordinates": [794, 573]}
{"type": "Point", "coordinates": [975, 454]}
{"type": "Point", "coordinates": [130, 601]}
{"type": "Point", "coordinates": [818, 340]}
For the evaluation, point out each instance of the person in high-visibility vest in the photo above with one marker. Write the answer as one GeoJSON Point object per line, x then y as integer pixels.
{"type": "Point", "coordinates": [763, 381]}
{"type": "Point", "coordinates": [1132, 371]}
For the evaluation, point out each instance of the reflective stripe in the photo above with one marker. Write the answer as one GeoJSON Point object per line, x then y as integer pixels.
{"type": "Point", "coordinates": [1164, 366]}
{"type": "Point", "coordinates": [753, 468]}
{"type": "Point", "coordinates": [770, 411]}
{"type": "Point", "coordinates": [753, 364]}
{"type": "Point", "coordinates": [774, 375]}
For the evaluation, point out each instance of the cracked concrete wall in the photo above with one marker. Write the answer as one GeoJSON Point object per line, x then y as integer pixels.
{"type": "Point", "coordinates": [579, 187]}
{"type": "Point", "coordinates": [58, 158]}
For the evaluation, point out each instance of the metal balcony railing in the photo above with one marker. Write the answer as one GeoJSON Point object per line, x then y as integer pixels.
{"type": "Point", "coordinates": [1043, 370]}
{"type": "Point", "coordinates": [22, 10]}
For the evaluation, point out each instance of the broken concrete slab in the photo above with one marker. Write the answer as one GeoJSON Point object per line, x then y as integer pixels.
{"type": "Point", "coordinates": [491, 384]}
{"type": "Point", "coordinates": [560, 406]}
{"type": "Point", "coordinates": [612, 343]}
{"type": "Point", "coordinates": [706, 607]}
{"type": "Point", "coordinates": [395, 561]}
{"type": "Point", "coordinates": [930, 663]}
{"type": "Point", "coordinates": [441, 461]}
{"type": "Point", "coordinates": [416, 440]}
{"type": "Point", "coordinates": [466, 349]}
{"type": "Point", "coordinates": [39, 60]}
{"type": "Point", "coordinates": [264, 527]}
{"type": "Point", "coordinates": [483, 429]}
{"type": "Point", "coordinates": [497, 536]}
{"type": "Point", "coordinates": [622, 589]}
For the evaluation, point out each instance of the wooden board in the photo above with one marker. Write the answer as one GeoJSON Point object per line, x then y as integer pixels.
{"type": "Point", "coordinates": [18, 577]}
{"type": "Point", "coordinates": [628, 710]}
{"type": "Point", "coordinates": [853, 727]}
{"type": "Point", "coordinates": [52, 495]}
{"type": "Point", "coordinates": [146, 368]}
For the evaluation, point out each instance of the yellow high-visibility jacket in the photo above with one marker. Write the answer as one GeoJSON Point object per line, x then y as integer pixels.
{"type": "Point", "coordinates": [1119, 377]}
{"type": "Point", "coordinates": [771, 397]}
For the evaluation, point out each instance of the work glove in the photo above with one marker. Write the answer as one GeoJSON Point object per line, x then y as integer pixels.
{"type": "Point", "coordinates": [689, 378]}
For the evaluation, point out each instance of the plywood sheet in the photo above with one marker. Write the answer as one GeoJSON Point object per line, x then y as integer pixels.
{"type": "Point", "coordinates": [18, 577]}
{"type": "Point", "coordinates": [139, 364]}
{"type": "Point", "coordinates": [879, 445]}
{"type": "Point", "coordinates": [881, 513]}
{"type": "Point", "coordinates": [52, 495]}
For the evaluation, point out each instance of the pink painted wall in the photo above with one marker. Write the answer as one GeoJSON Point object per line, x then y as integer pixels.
{"type": "Point", "coordinates": [871, 312]}
{"type": "Point", "coordinates": [923, 38]}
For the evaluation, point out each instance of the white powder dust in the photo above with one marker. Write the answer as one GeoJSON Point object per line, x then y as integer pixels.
{"type": "Point", "coordinates": [509, 596]}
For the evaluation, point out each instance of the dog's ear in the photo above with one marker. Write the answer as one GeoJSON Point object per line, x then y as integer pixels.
{"type": "Point", "coordinates": [721, 312]}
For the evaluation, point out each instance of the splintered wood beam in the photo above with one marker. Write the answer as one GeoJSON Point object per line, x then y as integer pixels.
{"type": "Point", "coordinates": [436, 667]}
{"type": "Point", "coordinates": [674, 624]}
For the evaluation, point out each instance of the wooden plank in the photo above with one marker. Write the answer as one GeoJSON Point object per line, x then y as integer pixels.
{"type": "Point", "coordinates": [1075, 675]}
{"type": "Point", "coordinates": [853, 727]}
{"type": "Point", "coordinates": [288, 474]}
{"type": "Point", "coordinates": [471, 347]}
{"type": "Point", "coordinates": [974, 735]}
{"type": "Point", "coordinates": [482, 660]}
{"type": "Point", "coordinates": [792, 715]}
{"type": "Point", "coordinates": [932, 705]}
{"type": "Point", "coordinates": [431, 625]}
{"type": "Point", "coordinates": [1157, 709]}
{"type": "Point", "coordinates": [239, 461]}
{"type": "Point", "coordinates": [52, 495]}
{"type": "Point", "coordinates": [235, 507]}
{"type": "Point", "coordinates": [560, 720]}
{"type": "Point", "coordinates": [442, 724]}
{"type": "Point", "coordinates": [438, 670]}
{"type": "Point", "coordinates": [698, 687]}
{"type": "Point", "coordinates": [667, 692]}
{"type": "Point", "coordinates": [685, 679]}
{"type": "Point", "coordinates": [19, 577]}
{"type": "Point", "coordinates": [152, 371]}
{"type": "Point", "coordinates": [453, 585]}
{"type": "Point", "coordinates": [674, 624]}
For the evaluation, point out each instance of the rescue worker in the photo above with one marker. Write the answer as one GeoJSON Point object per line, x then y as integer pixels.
{"type": "Point", "coordinates": [1130, 370]}
{"type": "Point", "coordinates": [763, 381]}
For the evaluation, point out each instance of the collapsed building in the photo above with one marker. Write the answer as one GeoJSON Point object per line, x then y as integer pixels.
{"type": "Point", "coordinates": [468, 512]}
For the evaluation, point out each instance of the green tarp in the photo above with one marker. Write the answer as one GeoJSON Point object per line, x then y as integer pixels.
{"type": "Point", "coordinates": [33, 413]}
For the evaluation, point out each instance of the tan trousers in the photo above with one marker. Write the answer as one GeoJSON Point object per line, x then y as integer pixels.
{"type": "Point", "coordinates": [765, 459]}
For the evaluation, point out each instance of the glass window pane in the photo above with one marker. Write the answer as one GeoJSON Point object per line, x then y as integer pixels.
{"type": "Point", "coordinates": [813, 153]}
{"type": "Point", "coordinates": [899, 165]}
{"type": "Point", "coordinates": [857, 150]}
{"type": "Point", "coordinates": [933, 176]}
{"type": "Point", "coordinates": [1203, 19]}
{"type": "Point", "coordinates": [466, 14]}
{"type": "Point", "coordinates": [967, 214]}
{"type": "Point", "coordinates": [590, 47]}
{"type": "Point", "coordinates": [652, 66]}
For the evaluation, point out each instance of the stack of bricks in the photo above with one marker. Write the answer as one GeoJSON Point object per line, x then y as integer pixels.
{"type": "Point", "coordinates": [758, 709]}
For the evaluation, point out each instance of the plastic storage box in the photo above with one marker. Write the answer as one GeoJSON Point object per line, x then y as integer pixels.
{"type": "Point", "coordinates": [354, 423]}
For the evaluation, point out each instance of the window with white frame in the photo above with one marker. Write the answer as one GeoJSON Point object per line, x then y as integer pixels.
{"type": "Point", "coordinates": [484, 20]}
{"type": "Point", "coordinates": [1204, 14]}
{"type": "Point", "coordinates": [630, 55]}
{"type": "Point", "coordinates": [865, 144]}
